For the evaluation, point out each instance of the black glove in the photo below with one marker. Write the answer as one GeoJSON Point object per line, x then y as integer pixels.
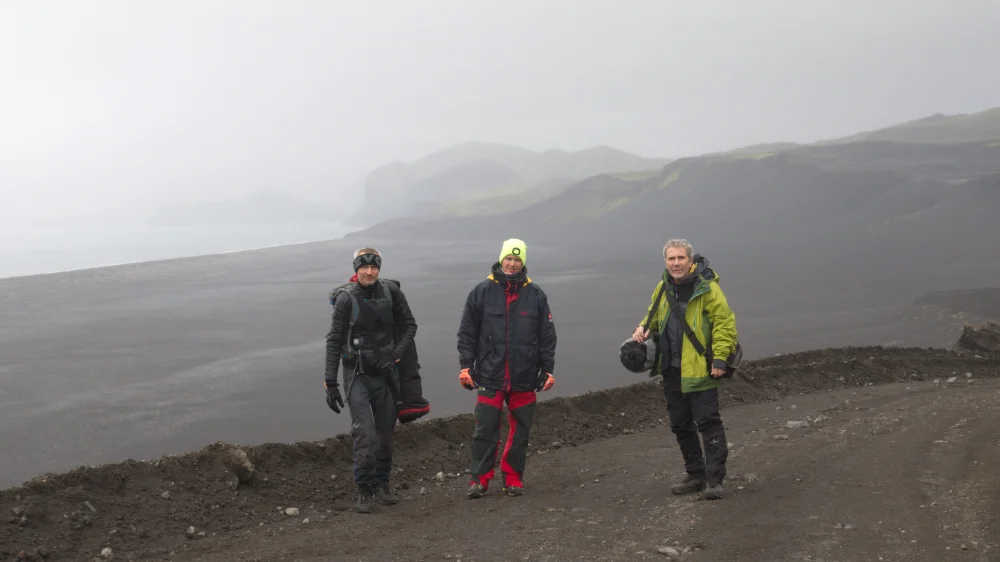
{"type": "Point", "coordinates": [333, 398]}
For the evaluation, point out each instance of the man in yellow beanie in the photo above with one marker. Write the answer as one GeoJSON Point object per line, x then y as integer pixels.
{"type": "Point", "coordinates": [507, 357]}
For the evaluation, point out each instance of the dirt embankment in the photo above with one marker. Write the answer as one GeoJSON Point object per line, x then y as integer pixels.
{"type": "Point", "coordinates": [149, 509]}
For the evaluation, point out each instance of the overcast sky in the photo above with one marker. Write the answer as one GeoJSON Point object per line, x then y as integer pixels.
{"type": "Point", "coordinates": [127, 103]}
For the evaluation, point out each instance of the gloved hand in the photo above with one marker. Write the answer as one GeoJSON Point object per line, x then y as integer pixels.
{"type": "Point", "coordinates": [386, 363]}
{"type": "Point", "coordinates": [466, 379]}
{"type": "Point", "coordinates": [333, 398]}
{"type": "Point", "coordinates": [545, 381]}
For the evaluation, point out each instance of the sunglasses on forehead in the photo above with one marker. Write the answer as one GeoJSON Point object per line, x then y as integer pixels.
{"type": "Point", "coordinates": [367, 259]}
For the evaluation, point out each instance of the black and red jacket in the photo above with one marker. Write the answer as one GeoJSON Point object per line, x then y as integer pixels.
{"type": "Point", "coordinates": [506, 337]}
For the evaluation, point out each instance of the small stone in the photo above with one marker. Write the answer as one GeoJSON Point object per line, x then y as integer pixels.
{"type": "Point", "coordinates": [556, 444]}
{"type": "Point", "coordinates": [190, 531]}
{"type": "Point", "coordinates": [796, 424]}
{"type": "Point", "coordinates": [423, 491]}
{"type": "Point", "coordinates": [107, 553]}
{"type": "Point", "coordinates": [951, 379]}
{"type": "Point", "coordinates": [238, 462]}
{"type": "Point", "coordinates": [165, 495]}
{"type": "Point", "coordinates": [292, 511]}
{"type": "Point", "coordinates": [597, 480]}
{"type": "Point", "coordinates": [968, 375]}
{"type": "Point", "coordinates": [752, 477]}
{"type": "Point", "coordinates": [333, 477]}
{"type": "Point", "coordinates": [439, 477]}
{"type": "Point", "coordinates": [780, 437]}
{"type": "Point", "coordinates": [669, 551]}
{"type": "Point", "coordinates": [306, 520]}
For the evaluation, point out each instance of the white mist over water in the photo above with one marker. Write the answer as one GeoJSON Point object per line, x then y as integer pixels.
{"type": "Point", "coordinates": [30, 251]}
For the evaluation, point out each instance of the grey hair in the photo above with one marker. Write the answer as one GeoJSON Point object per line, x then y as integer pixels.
{"type": "Point", "coordinates": [678, 243]}
{"type": "Point", "coordinates": [367, 250]}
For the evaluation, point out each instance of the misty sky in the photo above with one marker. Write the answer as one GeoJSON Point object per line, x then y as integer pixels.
{"type": "Point", "coordinates": [115, 106]}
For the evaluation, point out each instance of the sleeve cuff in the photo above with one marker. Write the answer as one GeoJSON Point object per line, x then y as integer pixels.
{"type": "Point", "coordinates": [718, 364]}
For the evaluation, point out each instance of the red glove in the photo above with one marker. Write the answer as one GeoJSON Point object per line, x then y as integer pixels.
{"type": "Point", "coordinates": [549, 381]}
{"type": "Point", "coordinates": [466, 379]}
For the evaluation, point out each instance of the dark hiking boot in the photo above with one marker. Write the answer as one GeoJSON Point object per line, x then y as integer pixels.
{"type": "Point", "coordinates": [385, 495]}
{"type": "Point", "coordinates": [690, 485]}
{"type": "Point", "coordinates": [514, 491]}
{"type": "Point", "coordinates": [476, 491]}
{"type": "Point", "coordinates": [364, 501]}
{"type": "Point", "coordinates": [713, 491]}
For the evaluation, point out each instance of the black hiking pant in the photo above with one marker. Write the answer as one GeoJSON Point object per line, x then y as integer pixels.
{"type": "Point", "coordinates": [373, 421]}
{"type": "Point", "coordinates": [690, 414]}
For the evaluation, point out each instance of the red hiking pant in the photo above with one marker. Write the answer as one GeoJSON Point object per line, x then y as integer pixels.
{"type": "Point", "coordinates": [486, 439]}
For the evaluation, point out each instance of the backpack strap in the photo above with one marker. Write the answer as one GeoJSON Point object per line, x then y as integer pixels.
{"type": "Point", "coordinates": [656, 305]}
{"type": "Point", "coordinates": [334, 294]}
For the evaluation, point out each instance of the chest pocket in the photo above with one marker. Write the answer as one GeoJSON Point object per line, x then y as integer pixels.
{"type": "Point", "coordinates": [382, 307]}
{"type": "Point", "coordinates": [525, 317]}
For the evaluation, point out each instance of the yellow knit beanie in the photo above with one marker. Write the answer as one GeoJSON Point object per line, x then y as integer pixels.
{"type": "Point", "coordinates": [514, 247]}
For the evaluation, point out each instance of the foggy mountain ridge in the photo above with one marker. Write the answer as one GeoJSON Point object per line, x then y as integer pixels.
{"type": "Point", "coordinates": [268, 206]}
{"type": "Point", "coordinates": [472, 170]}
{"type": "Point", "coordinates": [811, 211]}
{"type": "Point", "coordinates": [939, 128]}
{"type": "Point", "coordinates": [936, 129]}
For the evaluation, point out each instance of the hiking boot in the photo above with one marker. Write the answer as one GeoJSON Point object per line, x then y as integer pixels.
{"type": "Point", "coordinates": [476, 491]}
{"type": "Point", "coordinates": [690, 485]}
{"type": "Point", "coordinates": [364, 501]}
{"type": "Point", "coordinates": [385, 495]}
{"type": "Point", "coordinates": [514, 491]}
{"type": "Point", "coordinates": [713, 491]}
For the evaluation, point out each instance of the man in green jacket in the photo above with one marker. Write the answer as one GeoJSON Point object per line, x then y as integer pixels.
{"type": "Point", "coordinates": [691, 380]}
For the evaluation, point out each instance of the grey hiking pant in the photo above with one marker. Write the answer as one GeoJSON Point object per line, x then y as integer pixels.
{"type": "Point", "coordinates": [693, 413]}
{"type": "Point", "coordinates": [373, 420]}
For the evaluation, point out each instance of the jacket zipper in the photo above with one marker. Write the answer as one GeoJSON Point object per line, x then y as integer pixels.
{"type": "Point", "coordinates": [506, 335]}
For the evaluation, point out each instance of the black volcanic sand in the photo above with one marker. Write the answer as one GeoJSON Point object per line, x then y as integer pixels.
{"type": "Point", "coordinates": [142, 360]}
{"type": "Point", "coordinates": [73, 516]}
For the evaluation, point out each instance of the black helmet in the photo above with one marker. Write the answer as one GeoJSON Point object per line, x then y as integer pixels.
{"type": "Point", "coordinates": [637, 357]}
